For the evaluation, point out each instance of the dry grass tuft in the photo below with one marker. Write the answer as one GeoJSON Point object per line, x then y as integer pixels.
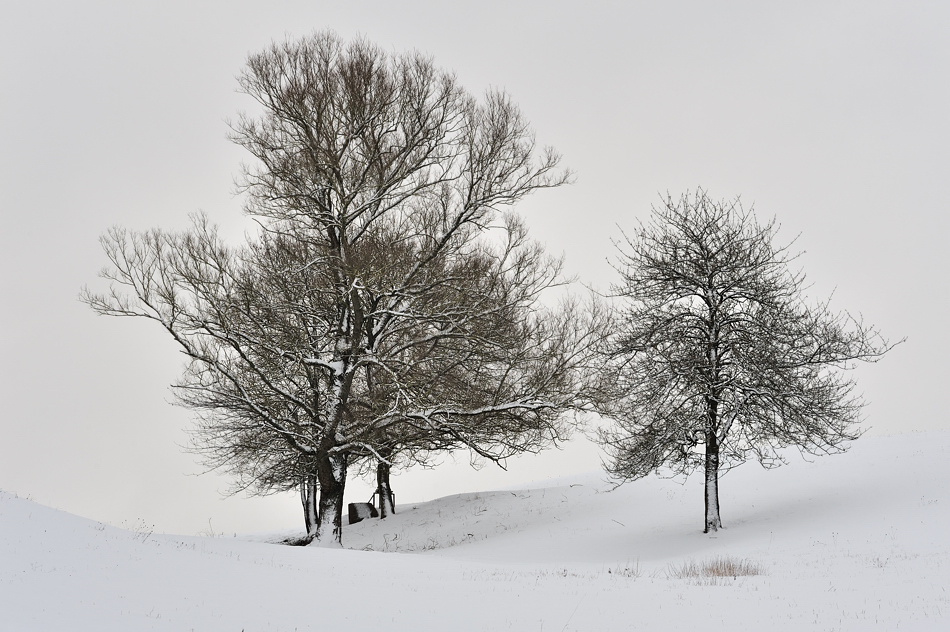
{"type": "Point", "coordinates": [713, 570]}
{"type": "Point", "coordinates": [631, 570]}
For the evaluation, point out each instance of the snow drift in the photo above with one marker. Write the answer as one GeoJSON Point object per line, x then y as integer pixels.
{"type": "Point", "coordinates": [851, 542]}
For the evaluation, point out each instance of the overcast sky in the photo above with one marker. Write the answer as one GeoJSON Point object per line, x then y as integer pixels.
{"type": "Point", "coordinates": [830, 116]}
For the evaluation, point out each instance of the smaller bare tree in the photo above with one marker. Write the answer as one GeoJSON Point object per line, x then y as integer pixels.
{"type": "Point", "coordinates": [718, 356]}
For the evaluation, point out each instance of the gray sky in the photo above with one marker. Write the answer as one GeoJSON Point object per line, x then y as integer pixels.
{"type": "Point", "coordinates": [831, 116]}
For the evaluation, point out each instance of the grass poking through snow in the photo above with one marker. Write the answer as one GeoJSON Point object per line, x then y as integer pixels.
{"type": "Point", "coordinates": [714, 570]}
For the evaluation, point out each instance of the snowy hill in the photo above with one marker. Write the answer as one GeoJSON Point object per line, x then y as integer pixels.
{"type": "Point", "coordinates": [852, 542]}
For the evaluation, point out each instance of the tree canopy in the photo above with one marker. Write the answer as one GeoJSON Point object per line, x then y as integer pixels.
{"type": "Point", "coordinates": [387, 307]}
{"type": "Point", "coordinates": [718, 356]}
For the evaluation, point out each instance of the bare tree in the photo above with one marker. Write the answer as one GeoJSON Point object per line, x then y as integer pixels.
{"type": "Point", "coordinates": [386, 306]}
{"type": "Point", "coordinates": [718, 356]}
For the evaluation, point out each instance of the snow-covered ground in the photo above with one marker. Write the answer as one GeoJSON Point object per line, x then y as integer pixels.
{"type": "Point", "coordinates": [859, 541]}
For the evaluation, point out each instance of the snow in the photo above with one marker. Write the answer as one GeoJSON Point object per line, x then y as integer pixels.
{"type": "Point", "coordinates": [859, 541]}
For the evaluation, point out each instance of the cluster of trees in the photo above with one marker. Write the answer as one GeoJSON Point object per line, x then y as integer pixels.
{"type": "Point", "coordinates": [390, 307]}
{"type": "Point", "coordinates": [387, 309]}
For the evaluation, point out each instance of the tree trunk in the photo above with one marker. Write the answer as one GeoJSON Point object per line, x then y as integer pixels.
{"type": "Point", "coordinates": [383, 490]}
{"type": "Point", "coordinates": [331, 470]}
{"type": "Point", "coordinates": [308, 498]}
{"type": "Point", "coordinates": [713, 523]}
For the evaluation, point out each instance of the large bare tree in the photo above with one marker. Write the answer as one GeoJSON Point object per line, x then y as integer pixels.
{"type": "Point", "coordinates": [719, 356]}
{"type": "Point", "coordinates": [386, 306]}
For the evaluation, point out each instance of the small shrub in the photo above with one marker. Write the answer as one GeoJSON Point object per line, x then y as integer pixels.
{"type": "Point", "coordinates": [713, 570]}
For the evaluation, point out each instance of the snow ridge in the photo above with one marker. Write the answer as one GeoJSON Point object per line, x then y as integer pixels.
{"type": "Point", "coordinates": [851, 542]}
